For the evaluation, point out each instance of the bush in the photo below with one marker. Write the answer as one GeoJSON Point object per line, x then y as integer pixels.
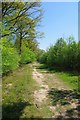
{"type": "Point", "coordinates": [43, 58]}
{"type": "Point", "coordinates": [10, 57]}
{"type": "Point", "coordinates": [27, 56]}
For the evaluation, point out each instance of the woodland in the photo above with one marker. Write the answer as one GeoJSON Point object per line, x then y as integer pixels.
{"type": "Point", "coordinates": [37, 83]}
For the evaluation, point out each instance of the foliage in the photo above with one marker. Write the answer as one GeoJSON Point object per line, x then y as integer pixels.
{"type": "Point", "coordinates": [10, 58]}
{"type": "Point", "coordinates": [18, 31]}
{"type": "Point", "coordinates": [27, 56]}
{"type": "Point", "coordinates": [21, 19]}
{"type": "Point", "coordinates": [43, 57]}
{"type": "Point", "coordinates": [63, 55]}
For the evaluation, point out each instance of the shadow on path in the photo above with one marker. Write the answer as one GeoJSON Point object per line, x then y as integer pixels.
{"type": "Point", "coordinates": [66, 98]}
{"type": "Point", "coordinates": [13, 110]}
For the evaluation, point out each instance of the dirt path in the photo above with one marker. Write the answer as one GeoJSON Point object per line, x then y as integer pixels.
{"type": "Point", "coordinates": [51, 88]}
{"type": "Point", "coordinates": [41, 94]}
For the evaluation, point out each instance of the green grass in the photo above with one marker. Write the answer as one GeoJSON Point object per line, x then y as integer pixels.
{"type": "Point", "coordinates": [18, 100]}
{"type": "Point", "coordinates": [18, 88]}
{"type": "Point", "coordinates": [70, 80]}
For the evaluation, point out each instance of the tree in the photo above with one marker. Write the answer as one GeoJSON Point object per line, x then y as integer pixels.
{"type": "Point", "coordinates": [63, 55]}
{"type": "Point", "coordinates": [21, 19]}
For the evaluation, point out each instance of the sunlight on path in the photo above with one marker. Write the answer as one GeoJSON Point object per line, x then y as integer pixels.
{"type": "Point", "coordinates": [40, 95]}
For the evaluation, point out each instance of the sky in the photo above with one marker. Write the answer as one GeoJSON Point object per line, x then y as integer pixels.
{"type": "Point", "coordinates": [60, 19]}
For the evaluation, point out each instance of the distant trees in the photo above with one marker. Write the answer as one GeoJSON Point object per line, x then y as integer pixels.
{"type": "Point", "coordinates": [63, 55]}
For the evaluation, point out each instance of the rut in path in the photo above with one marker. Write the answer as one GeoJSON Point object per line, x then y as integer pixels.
{"type": "Point", "coordinates": [41, 94]}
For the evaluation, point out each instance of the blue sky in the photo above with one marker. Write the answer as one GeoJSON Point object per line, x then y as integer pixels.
{"type": "Point", "coordinates": [60, 19]}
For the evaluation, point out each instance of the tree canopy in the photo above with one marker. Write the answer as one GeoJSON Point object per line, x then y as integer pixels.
{"type": "Point", "coordinates": [19, 32]}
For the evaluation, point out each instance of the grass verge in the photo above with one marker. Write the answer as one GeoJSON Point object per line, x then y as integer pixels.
{"type": "Point", "coordinates": [70, 80]}
{"type": "Point", "coordinates": [18, 88]}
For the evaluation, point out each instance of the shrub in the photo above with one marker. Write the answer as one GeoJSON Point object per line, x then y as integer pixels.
{"type": "Point", "coordinates": [43, 58]}
{"type": "Point", "coordinates": [10, 57]}
{"type": "Point", "coordinates": [27, 56]}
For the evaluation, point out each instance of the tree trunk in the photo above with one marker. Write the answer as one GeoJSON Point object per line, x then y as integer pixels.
{"type": "Point", "coordinates": [20, 42]}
